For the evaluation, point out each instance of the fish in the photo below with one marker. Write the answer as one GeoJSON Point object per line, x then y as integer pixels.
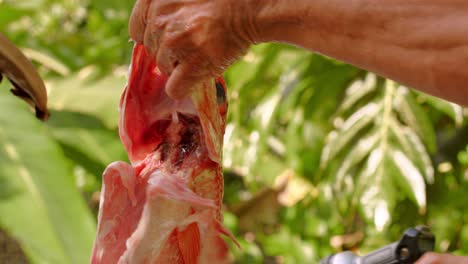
{"type": "Point", "coordinates": [165, 206]}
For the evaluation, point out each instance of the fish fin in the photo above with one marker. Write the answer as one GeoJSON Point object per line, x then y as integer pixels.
{"type": "Point", "coordinates": [117, 200]}
{"type": "Point", "coordinates": [223, 230]}
{"type": "Point", "coordinates": [174, 188]}
{"type": "Point", "coordinates": [189, 243]}
{"type": "Point", "coordinates": [170, 253]}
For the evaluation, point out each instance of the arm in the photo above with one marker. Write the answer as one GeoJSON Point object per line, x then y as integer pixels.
{"type": "Point", "coordinates": [419, 43]}
{"type": "Point", "coordinates": [422, 44]}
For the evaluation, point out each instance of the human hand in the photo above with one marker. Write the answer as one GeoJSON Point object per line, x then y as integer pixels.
{"type": "Point", "coordinates": [192, 40]}
{"type": "Point", "coordinates": [433, 258]}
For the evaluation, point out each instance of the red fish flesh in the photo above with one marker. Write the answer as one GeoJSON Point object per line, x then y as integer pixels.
{"type": "Point", "coordinates": [165, 207]}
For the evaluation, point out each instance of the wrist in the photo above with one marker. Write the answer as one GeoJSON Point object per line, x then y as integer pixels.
{"type": "Point", "coordinates": [276, 20]}
{"type": "Point", "coordinates": [311, 24]}
{"type": "Point", "coordinates": [257, 21]}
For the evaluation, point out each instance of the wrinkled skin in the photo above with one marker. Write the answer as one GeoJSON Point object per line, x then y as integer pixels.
{"type": "Point", "coordinates": [420, 44]}
{"type": "Point", "coordinates": [189, 39]}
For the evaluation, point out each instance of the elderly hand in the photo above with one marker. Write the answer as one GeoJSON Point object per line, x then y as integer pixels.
{"type": "Point", "coordinates": [433, 258]}
{"type": "Point", "coordinates": [191, 40]}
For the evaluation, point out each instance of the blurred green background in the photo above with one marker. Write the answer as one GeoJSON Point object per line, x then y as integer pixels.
{"type": "Point", "coordinates": [319, 156]}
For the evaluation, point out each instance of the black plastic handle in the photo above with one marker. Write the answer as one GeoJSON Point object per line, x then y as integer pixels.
{"type": "Point", "coordinates": [413, 244]}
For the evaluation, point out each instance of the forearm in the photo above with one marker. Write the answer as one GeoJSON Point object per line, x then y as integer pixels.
{"type": "Point", "coordinates": [419, 43]}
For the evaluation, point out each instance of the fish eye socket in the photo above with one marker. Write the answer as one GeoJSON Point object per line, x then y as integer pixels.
{"type": "Point", "coordinates": [220, 93]}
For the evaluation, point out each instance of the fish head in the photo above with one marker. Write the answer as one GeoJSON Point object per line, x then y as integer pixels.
{"type": "Point", "coordinates": [148, 113]}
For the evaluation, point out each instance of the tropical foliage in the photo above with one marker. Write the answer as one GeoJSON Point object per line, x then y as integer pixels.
{"type": "Point", "coordinates": [319, 156]}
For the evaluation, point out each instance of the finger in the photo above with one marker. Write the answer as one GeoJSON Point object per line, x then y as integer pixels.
{"type": "Point", "coordinates": [182, 80]}
{"type": "Point", "coordinates": [171, 48]}
{"type": "Point", "coordinates": [138, 19]}
{"type": "Point", "coordinates": [166, 60]}
{"type": "Point", "coordinates": [155, 28]}
{"type": "Point", "coordinates": [151, 40]}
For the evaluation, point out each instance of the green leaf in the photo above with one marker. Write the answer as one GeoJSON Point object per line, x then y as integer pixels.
{"type": "Point", "coordinates": [41, 206]}
{"type": "Point", "coordinates": [350, 129]}
{"type": "Point", "coordinates": [415, 117]}
{"type": "Point", "coordinates": [357, 91]}
{"type": "Point", "coordinates": [83, 94]}
{"type": "Point", "coordinates": [86, 140]}
{"type": "Point", "coordinates": [27, 4]}
{"type": "Point", "coordinates": [285, 243]}
{"type": "Point", "coordinates": [454, 111]}
{"type": "Point", "coordinates": [303, 141]}
{"type": "Point", "coordinates": [8, 14]}
{"type": "Point", "coordinates": [413, 147]}
{"type": "Point", "coordinates": [370, 166]}
{"type": "Point", "coordinates": [265, 112]}
{"type": "Point", "coordinates": [370, 174]}
{"type": "Point", "coordinates": [356, 155]}
{"type": "Point", "coordinates": [409, 177]}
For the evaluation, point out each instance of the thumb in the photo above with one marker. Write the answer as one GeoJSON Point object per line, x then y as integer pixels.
{"type": "Point", "coordinates": [137, 23]}
{"type": "Point", "coordinates": [182, 80]}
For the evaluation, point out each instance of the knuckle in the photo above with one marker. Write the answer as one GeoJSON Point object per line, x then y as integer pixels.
{"type": "Point", "coordinates": [150, 43]}
{"type": "Point", "coordinates": [174, 40]}
{"type": "Point", "coordinates": [158, 24]}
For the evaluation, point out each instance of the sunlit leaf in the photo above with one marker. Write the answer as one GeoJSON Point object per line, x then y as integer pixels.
{"type": "Point", "coordinates": [387, 157]}
{"type": "Point", "coordinates": [413, 147]}
{"type": "Point", "coordinates": [356, 154]}
{"type": "Point", "coordinates": [357, 91]}
{"type": "Point", "coordinates": [97, 97]}
{"type": "Point", "coordinates": [266, 110]}
{"type": "Point", "coordinates": [412, 180]}
{"type": "Point", "coordinates": [413, 114]}
{"type": "Point", "coordinates": [86, 140]}
{"type": "Point", "coordinates": [42, 208]}
{"type": "Point", "coordinates": [350, 129]}
{"type": "Point", "coordinates": [8, 14]}
{"type": "Point", "coordinates": [454, 111]}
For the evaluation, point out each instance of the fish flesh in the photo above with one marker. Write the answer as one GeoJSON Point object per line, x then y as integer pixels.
{"type": "Point", "coordinates": [165, 207]}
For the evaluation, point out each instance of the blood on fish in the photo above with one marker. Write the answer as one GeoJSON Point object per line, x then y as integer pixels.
{"type": "Point", "coordinates": [156, 131]}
